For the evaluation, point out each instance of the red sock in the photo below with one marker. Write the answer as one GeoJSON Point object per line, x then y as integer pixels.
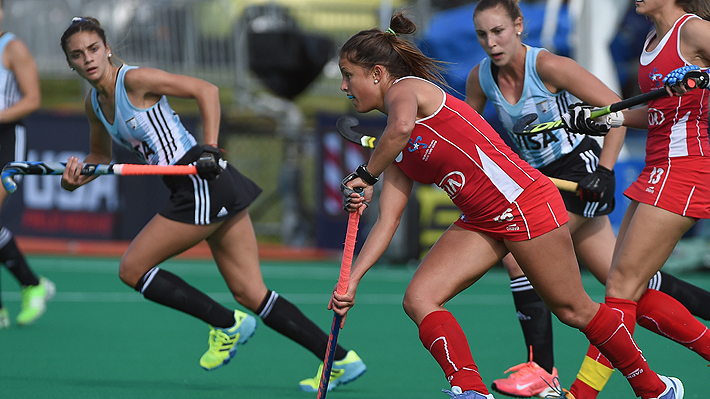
{"type": "Point", "coordinates": [613, 338]}
{"type": "Point", "coordinates": [442, 335]}
{"type": "Point", "coordinates": [664, 315]}
{"type": "Point", "coordinates": [581, 389]}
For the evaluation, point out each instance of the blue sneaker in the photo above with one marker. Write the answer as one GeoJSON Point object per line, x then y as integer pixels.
{"type": "Point", "coordinates": [456, 393]}
{"type": "Point", "coordinates": [224, 341]}
{"type": "Point", "coordinates": [674, 388]}
{"type": "Point", "coordinates": [343, 371]}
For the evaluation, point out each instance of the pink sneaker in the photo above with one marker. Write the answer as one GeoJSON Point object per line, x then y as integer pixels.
{"type": "Point", "coordinates": [525, 380]}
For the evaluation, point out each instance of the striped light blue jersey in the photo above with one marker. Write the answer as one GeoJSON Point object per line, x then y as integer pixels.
{"type": "Point", "coordinates": [541, 149]}
{"type": "Point", "coordinates": [155, 134]}
{"type": "Point", "coordinates": [9, 89]}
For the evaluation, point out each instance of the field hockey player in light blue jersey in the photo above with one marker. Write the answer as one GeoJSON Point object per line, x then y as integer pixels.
{"type": "Point", "coordinates": [19, 85]}
{"type": "Point", "coordinates": [520, 80]}
{"type": "Point", "coordinates": [128, 105]}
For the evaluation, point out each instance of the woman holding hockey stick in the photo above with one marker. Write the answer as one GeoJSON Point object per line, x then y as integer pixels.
{"type": "Point", "coordinates": [19, 81]}
{"type": "Point", "coordinates": [673, 190]}
{"type": "Point", "coordinates": [507, 206]}
{"type": "Point", "coordinates": [519, 80]}
{"type": "Point", "coordinates": [129, 105]}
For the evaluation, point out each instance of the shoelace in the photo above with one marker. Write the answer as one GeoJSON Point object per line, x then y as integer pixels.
{"type": "Point", "coordinates": [220, 339]}
{"type": "Point", "coordinates": [522, 370]}
{"type": "Point", "coordinates": [559, 393]}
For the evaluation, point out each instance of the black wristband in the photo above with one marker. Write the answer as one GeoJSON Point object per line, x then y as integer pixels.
{"type": "Point", "coordinates": [366, 176]}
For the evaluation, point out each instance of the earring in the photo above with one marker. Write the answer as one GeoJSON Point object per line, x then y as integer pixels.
{"type": "Point", "coordinates": [71, 68]}
{"type": "Point", "coordinates": [520, 33]}
{"type": "Point", "coordinates": [377, 81]}
{"type": "Point", "coordinates": [109, 54]}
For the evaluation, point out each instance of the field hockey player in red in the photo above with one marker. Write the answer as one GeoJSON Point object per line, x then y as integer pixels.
{"type": "Point", "coordinates": [673, 190]}
{"type": "Point", "coordinates": [521, 80]}
{"type": "Point", "coordinates": [507, 206]}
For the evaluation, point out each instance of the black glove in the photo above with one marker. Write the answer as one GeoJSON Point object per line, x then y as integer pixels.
{"type": "Point", "coordinates": [347, 191]}
{"type": "Point", "coordinates": [578, 120]}
{"type": "Point", "coordinates": [598, 185]}
{"type": "Point", "coordinates": [208, 164]}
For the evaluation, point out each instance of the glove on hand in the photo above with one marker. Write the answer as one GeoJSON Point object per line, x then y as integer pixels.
{"type": "Point", "coordinates": [208, 164]}
{"type": "Point", "coordinates": [578, 120]}
{"type": "Point", "coordinates": [598, 185]}
{"type": "Point", "coordinates": [347, 191]}
{"type": "Point", "coordinates": [678, 79]}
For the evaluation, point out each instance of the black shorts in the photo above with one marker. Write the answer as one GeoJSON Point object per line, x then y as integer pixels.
{"type": "Point", "coordinates": [198, 201]}
{"type": "Point", "coordinates": [13, 143]}
{"type": "Point", "coordinates": [575, 166]}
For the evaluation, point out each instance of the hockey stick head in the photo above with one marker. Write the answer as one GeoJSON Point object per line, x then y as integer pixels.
{"type": "Point", "coordinates": [521, 124]}
{"type": "Point", "coordinates": [8, 178]}
{"type": "Point", "coordinates": [345, 125]}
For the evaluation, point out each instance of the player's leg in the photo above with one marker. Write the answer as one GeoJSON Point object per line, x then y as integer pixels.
{"type": "Point", "coordinates": [564, 294]}
{"type": "Point", "coordinates": [36, 290]}
{"type": "Point", "coordinates": [458, 259]}
{"type": "Point", "coordinates": [694, 298]}
{"type": "Point", "coordinates": [234, 247]}
{"type": "Point", "coordinates": [528, 379]}
{"type": "Point", "coordinates": [160, 240]}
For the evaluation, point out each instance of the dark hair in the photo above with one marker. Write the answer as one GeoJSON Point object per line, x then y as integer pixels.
{"type": "Point", "coordinates": [510, 7]}
{"type": "Point", "coordinates": [399, 56]}
{"type": "Point", "coordinates": [82, 24]}
{"type": "Point", "coordinates": [700, 8]}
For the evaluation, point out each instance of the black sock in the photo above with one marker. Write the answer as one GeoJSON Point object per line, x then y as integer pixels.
{"type": "Point", "coordinates": [285, 318]}
{"type": "Point", "coordinates": [536, 321]}
{"type": "Point", "coordinates": [13, 259]}
{"type": "Point", "coordinates": [167, 289]}
{"type": "Point", "coordinates": [694, 298]}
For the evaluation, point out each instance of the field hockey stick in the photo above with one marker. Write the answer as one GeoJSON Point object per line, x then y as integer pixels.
{"type": "Point", "coordinates": [342, 288]}
{"type": "Point", "coordinates": [57, 168]}
{"type": "Point", "coordinates": [345, 125]}
{"type": "Point", "coordinates": [523, 125]}
{"type": "Point", "coordinates": [691, 80]}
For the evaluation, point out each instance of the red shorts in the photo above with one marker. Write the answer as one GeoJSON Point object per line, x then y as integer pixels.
{"type": "Point", "coordinates": [679, 185]}
{"type": "Point", "coordinates": [538, 210]}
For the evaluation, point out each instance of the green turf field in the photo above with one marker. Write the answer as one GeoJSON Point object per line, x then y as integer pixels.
{"type": "Point", "coordinates": [101, 339]}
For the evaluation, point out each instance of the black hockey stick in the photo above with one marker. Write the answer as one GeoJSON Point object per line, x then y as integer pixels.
{"type": "Point", "coordinates": [691, 80]}
{"type": "Point", "coordinates": [345, 125]}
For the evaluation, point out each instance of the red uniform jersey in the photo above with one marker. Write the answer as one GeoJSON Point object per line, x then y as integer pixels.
{"type": "Point", "coordinates": [677, 126]}
{"type": "Point", "coordinates": [457, 150]}
{"type": "Point", "coordinates": [676, 176]}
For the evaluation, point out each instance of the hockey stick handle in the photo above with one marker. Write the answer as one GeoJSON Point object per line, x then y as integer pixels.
{"type": "Point", "coordinates": [57, 168]}
{"type": "Point", "coordinates": [629, 102]}
{"type": "Point", "coordinates": [565, 185]}
{"type": "Point", "coordinates": [341, 288]}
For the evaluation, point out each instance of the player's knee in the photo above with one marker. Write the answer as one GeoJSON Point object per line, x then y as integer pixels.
{"type": "Point", "coordinates": [129, 275]}
{"type": "Point", "coordinates": [571, 316]}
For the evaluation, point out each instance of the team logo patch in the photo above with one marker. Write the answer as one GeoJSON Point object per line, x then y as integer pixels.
{"type": "Point", "coordinates": [656, 77]}
{"type": "Point", "coordinates": [416, 144]}
{"type": "Point", "coordinates": [452, 183]}
{"type": "Point", "coordinates": [655, 117]}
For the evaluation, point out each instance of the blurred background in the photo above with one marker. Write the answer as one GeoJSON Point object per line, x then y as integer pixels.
{"type": "Point", "coordinates": [276, 65]}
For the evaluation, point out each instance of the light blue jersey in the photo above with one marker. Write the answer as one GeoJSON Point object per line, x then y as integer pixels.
{"type": "Point", "coordinates": [9, 89]}
{"type": "Point", "coordinates": [544, 148]}
{"type": "Point", "coordinates": [155, 134]}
